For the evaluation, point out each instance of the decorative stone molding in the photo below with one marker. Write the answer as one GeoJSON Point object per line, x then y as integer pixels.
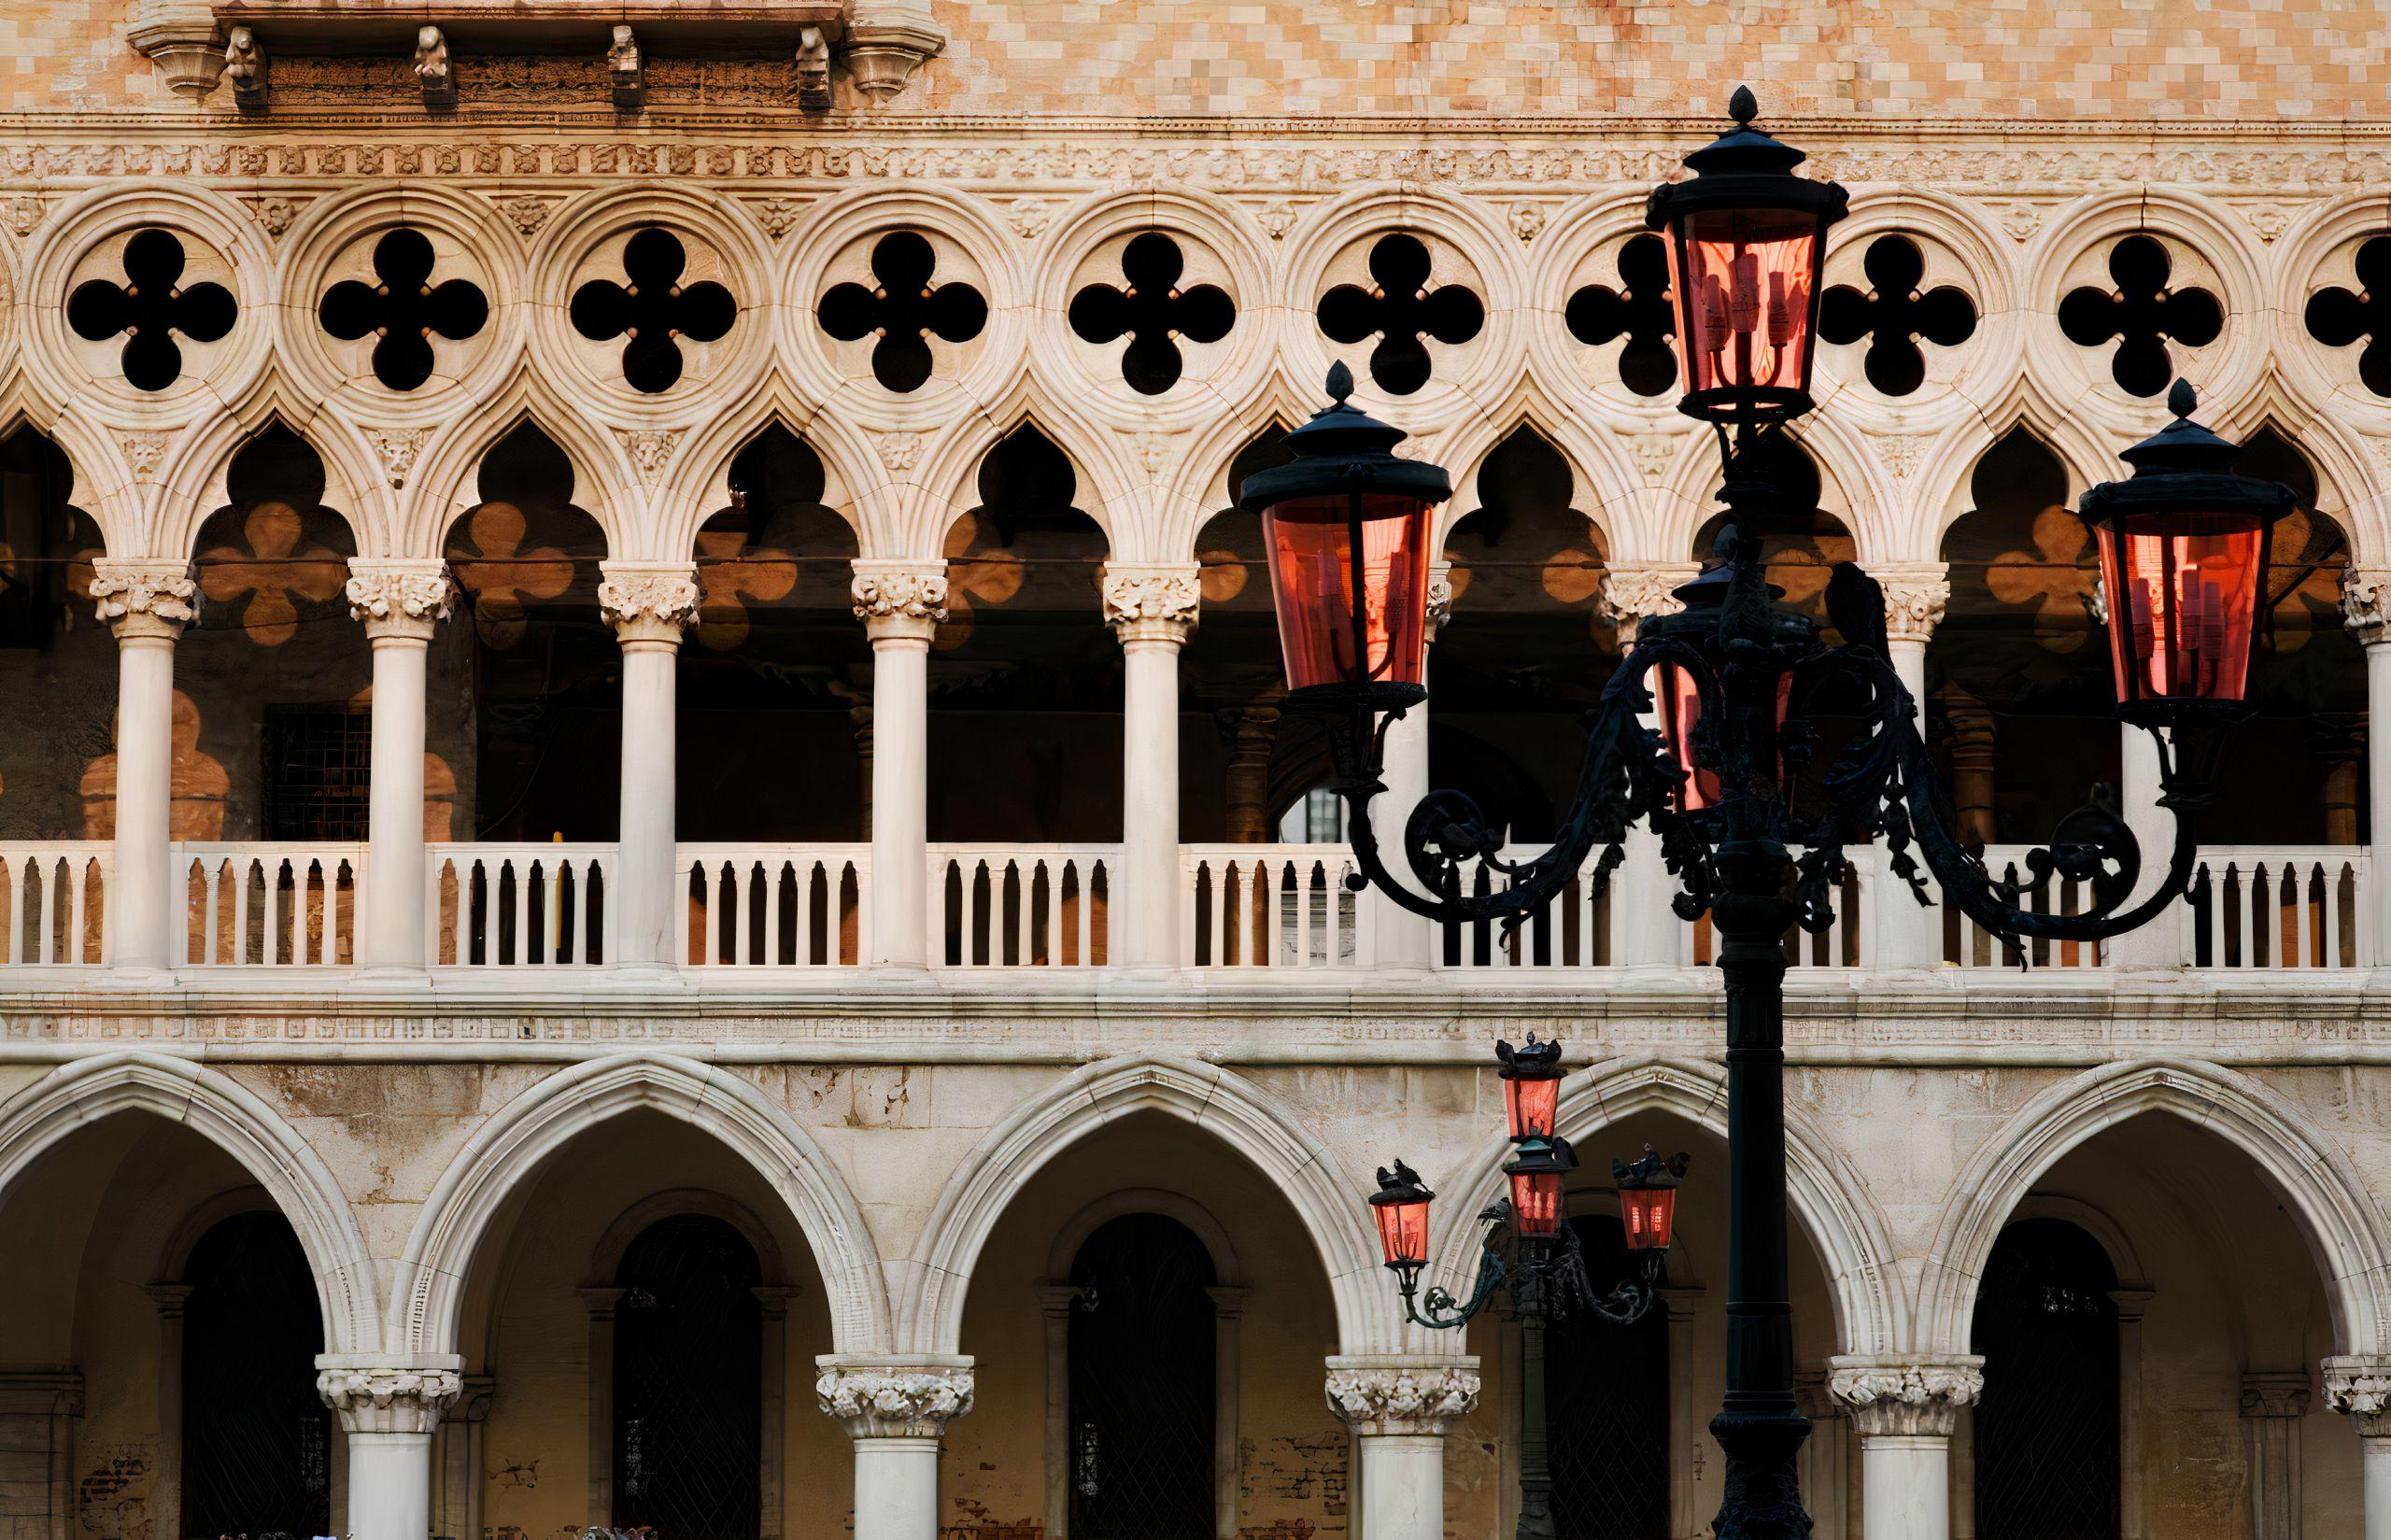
{"type": "Point", "coordinates": [23, 216]}
{"type": "Point", "coordinates": [898, 598]}
{"type": "Point", "coordinates": [2360, 1387]}
{"type": "Point", "coordinates": [2283, 1393]}
{"type": "Point", "coordinates": [145, 598]}
{"type": "Point", "coordinates": [1402, 1398]}
{"type": "Point", "coordinates": [894, 1401]}
{"type": "Point", "coordinates": [181, 41]}
{"type": "Point", "coordinates": [143, 453]}
{"type": "Point", "coordinates": [395, 597]}
{"type": "Point", "coordinates": [1632, 593]}
{"type": "Point", "coordinates": [899, 452]}
{"type": "Point", "coordinates": [1906, 1397]}
{"type": "Point", "coordinates": [389, 1400]}
{"type": "Point", "coordinates": [2365, 602]}
{"type": "Point", "coordinates": [1915, 599]}
{"type": "Point", "coordinates": [1152, 603]}
{"type": "Point", "coordinates": [652, 604]}
{"type": "Point", "coordinates": [881, 56]}
{"type": "Point", "coordinates": [1901, 452]}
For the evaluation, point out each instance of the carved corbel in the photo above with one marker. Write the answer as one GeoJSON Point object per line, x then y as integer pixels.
{"type": "Point", "coordinates": [181, 40]}
{"type": "Point", "coordinates": [244, 65]}
{"type": "Point", "coordinates": [627, 71]}
{"type": "Point", "coordinates": [432, 68]}
{"type": "Point", "coordinates": [881, 56]}
{"type": "Point", "coordinates": [814, 70]}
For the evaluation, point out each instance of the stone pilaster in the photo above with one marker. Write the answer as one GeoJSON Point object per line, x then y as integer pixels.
{"type": "Point", "coordinates": [896, 1401]}
{"type": "Point", "coordinates": [1398, 1399]}
{"type": "Point", "coordinates": [1904, 1397]}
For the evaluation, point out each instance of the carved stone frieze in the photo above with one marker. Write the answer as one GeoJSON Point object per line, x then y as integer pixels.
{"type": "Point", "coordinates": [393, 1399]}
{"type": "Point", "coordinates": [1907, 1397]}
{"type": "Point", "coordinates": [895, 1402]}
{"type": "Point", "coordinates": [1410, 1398]}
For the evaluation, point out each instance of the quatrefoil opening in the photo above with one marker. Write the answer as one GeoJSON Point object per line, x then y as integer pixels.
{"type": "Point", "coordinates": [653, 311]}
{"type": "Point", "coordinates": [147, 309]}
{"type": "Point", "coordinates": [2141, 312]}
{"type": "Point", "coordinates": [2337, 317]}
{"type": "Point", "coordinates": [1638, 309]}
{"type": "Point", "coordinates": [1399, 308]}
{"type": "Point", "coordinates": [903, 309]}
{"type": "Point", "coordinates": [405, 310]}
{"type": "Point", "coordinates": [1894, 314]}
{"type": "Point", "coordinates": [1153, 311]}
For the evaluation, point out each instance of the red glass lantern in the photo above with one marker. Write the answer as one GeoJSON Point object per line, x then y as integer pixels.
{"type": "Point", "coordinates": [1679, 705]}
{"type": "Point", "coordinates": [1347, 526]}
{"type": "Point", "coordinates": [1648, 1198]}
{"type": "Point", "coordinates": [1747, 243]}
{"type": "Point", "coordinates": [1400, 1206]}
{"type": "Point", "coordinates": [2185, 544]}
{"type": "Point", "coordinates": [1536, 1176]}
{"type": "Point", "coordinates": [1531, 1087]}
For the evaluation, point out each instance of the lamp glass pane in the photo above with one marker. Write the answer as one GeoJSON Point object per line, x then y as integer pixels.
{"type": "Point", "coordinates": [2183, 603]}
{"type": "Point", "coordinates": [1745, 282]}
{"type": "Point", "coordinates": [1403, 1232]}
{"type": "Point", "coordinates": [1531, 1105]}
{"type": "Point", "coordinates": [1313, 570]}
{"type": "Point", "coordinates": [1650, 1216]}
{"type": "Point", "coordinates": [1680, 704]}
{"type": "Point", "coordinates": [1535, 1202]}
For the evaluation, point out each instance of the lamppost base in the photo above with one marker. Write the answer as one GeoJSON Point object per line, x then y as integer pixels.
{"type": "Point", "coordinates": [1764, 1486]}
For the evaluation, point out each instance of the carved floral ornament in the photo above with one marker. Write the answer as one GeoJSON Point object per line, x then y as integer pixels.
{"type": "Point", "coordinates": [400, 591]}
{"type": "Point", "coordinates": [1142, 597]}
{"type": "Point", "coordinates": [900, 593]}
{"type": "Point", "coordinates": [899, 1403]}
{"type": "Point", "coordinates": [161, 591]}
{"type": "Point", "coordinates": [389, 1400]}
{"type": "Point", "coordinates": [1411, 1399]}
{"type": "Point", "coordinates": [1906, 1398]}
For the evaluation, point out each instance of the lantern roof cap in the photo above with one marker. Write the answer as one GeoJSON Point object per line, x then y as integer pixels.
{"type": "Point", "coordinates": [1400, 1185]}
{"type": "Point", "coordinates": [2182, 445]}
{"type": "Point", "coordinates": [1535, 1061]}
{"type": "Point", "coordinates": [1539, 1155]}
{"type": "Point", "coordinates": [2185, 467]}
{"type": "Point", "coordinates": [1743, 147]}
{"type": "Point", "coordinates": [1344, 449]}
{"type": "Point", "coordinates": [1746, 167]}
{"type": "Point", "coordinates": [1650, 1169]}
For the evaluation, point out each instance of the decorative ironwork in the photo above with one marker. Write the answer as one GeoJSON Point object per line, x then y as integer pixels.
{"type": "Point", "coordinates": [147, 309]}
{"type": "Point", "coordinates": [405, 310]}
{"type": "Point", "coordinates": [1153, 312]}
{"type": "Point", "coordinates": [2046, 1441]}
{"type": "Point", "coordinates": [903, 308]}
{"type": "Point", "coordinates": [1639, 310]}
{"type": "Point", "coordinates": [652, 311]}
{"type": "Point", "coordinates": [1142, 1360]}
{"type": "Point", "coordinates": [319, 780]}
{"type": "Point", "coordinates": [2141, 314]}
{"type": "Point", "coordinates": [689, 1409]}
{"type": "Point", "coordinates": [2337, 317]}
{"type": "Point", "coordinates": [1894, 314]}
{"type": "Point", "coordinates": [1399, 308]}
{"type": "Point", "coordinates": [257, 1439]}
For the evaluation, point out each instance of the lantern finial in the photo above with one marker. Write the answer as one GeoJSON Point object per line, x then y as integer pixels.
{"type": "Point", "coordinates": [2183, 400]}
{"type": "Point", "coordinates": [1340, 382]}
{"type": "Point", "coordinates": [1743, 106]}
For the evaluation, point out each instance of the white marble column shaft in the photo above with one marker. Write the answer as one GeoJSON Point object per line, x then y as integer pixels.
{"type": "Point", "coordinates": [1398, 937]}
{"type": "Point", "coordinates": [1904, 933]}
{"type": "Point", "coordinates": [389, 1414]}
{"type": "Point", "coordinates": [1152, 610]}
{"type": "Point", "coordinates": [400, 604]}
{"type": "Point", "coordinates": [1644, 931]}
{"type": "Point", "coordinates": [897, 1413]}
{"type": "Point", "coordinates": [1397, 1409]}
{"type": "Point", "coordinates": [147, 605]}
{"type": "Point", "coordinates": [2366, 604]}
{"type": "Point", "coordinates": [901, 604]}
{"type": "Point", "coordinates": [649, 607]}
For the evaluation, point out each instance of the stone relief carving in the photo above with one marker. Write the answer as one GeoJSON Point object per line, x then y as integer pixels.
{"type": "Point", "coordinates": [1923, 1398]}
{"type": "Point", "coordinates": [907, 593]}
{"type": "Point", "coordinates": [1166, 595]}
{"type": "Point", "coordinates": [389, 1400]}
{"type": "Point", "coordinates": [400, 590]}
{"type": "Point", "coordinates": [631, 595]}
{"type": "Point", "coordinates": [397, 448]}
{"type": "Point", "coordinates": [896, 1402]}
{"type": "Point", "coordinates": [650, 450]}
{"type": "Point", "coordinates": [1408, 1400]}
{"type": "Point", "coordinates": [157, 590]}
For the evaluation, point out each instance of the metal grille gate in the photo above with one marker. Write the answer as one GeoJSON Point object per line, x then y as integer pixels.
{"type": "Point", "coordinates": [688, 1382]}
{"type": "Point", "coordinates": [1607, 1396]}
{"type": "Point", "coordinates": [1142, 1365]}
{"type": "Point", "coordinates": [257, 1439]}
{"type": "Point", "coordinates": [2047, 1438]}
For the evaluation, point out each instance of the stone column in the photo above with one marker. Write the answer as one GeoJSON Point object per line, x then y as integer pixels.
{"type": "Point", "coordinates": [1903, 1410]}
{"type": "Point", "coordinates": [2133, 1304]}
{"type": "Point", "coordinates": [1903, 932]}
{"type": "Point", "coordinates": [2272, 1404]}
{"type": "Point", "coordinates": [897, 1413]}
{"type": "Point", "coordinates": [1644, 931]}
{"type": "Point", "coordinates": [2366, 602]}
{"type": "Point", "coordinates": [459, 1452]}
{"type": "Point", "coordinates": [2360, 1387]}
{"type": "Point", "coordinates": [1397, 1409]}
{"type": "Point", "coordinates": [901, 604]}
{"type": "Point", "coordinates": [1055, 1301]}
{"type": "Point", "coordinates": [400, 603]}
{"type": "Point", "coordinates": [1152, 610]}
{"type": "Point", "coordinates": [649, 608]}
{"type": "Point", "coordinates": [1400, 938]}
{"type": "Point", "coordinates": [147, 605]}
{"type": "Point", "coordinates": [389, 1413]}
{"type": "Point", "coordinates": [1975, 747]}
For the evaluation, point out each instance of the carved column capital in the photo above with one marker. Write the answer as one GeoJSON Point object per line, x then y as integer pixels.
{"type": "Point", "coordinates": [1440, 598]}
{"type": "Point", "coordinates": [145, 598]}
{"type": "Point", "coordinates": [388, 1398]}
{"type": "Point", "coordinates": [1633, 591]}
{"type": "Point", "coordinates": [1890, 1394]}
{"type": "Point", "coordinates": [1915, 597]}
{"type": "Point", "coordinates": [896, 1400]}
{"type": "Point", "coordinates": [1419, 1396]}
{"type": "Point", "coordinates": [403, 598]}
{"type": "Point", "coordinates": [650, 605]}
{"type": "Point", "coordinates": [2360, 1387]}
{"type": "Point", "coordinates": [2366, 604]}
{"type": "Point", "coordinates": [2275, 1394]}
{"type": "Point", "coordinates": [1152, 603]}
{"type": "Point", "coordinates": [900, 599]}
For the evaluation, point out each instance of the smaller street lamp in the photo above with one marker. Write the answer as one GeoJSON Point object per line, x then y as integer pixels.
{"type": "Point", "coordinates": [1530, 1248]}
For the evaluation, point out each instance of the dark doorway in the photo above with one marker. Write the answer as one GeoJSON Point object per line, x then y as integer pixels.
{"type": "Point", "coordinates": [1607, 1396]}
{"type": "Point", "coordinates": [2046, 1447]}
{"type": "Point", "coordinates": [1142, 1365]}
{"type": "Point", "coordinates": [257, 1439]}
{"type": "Point", "coordinates": [688, 1382]}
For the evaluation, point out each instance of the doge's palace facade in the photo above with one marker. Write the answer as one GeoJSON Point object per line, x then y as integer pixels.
{"type": "Point", "coordinates": [652, 875]}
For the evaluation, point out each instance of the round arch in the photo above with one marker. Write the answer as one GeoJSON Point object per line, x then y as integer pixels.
{"type": "Point", "coordinates": [1199, 1221]}
{"type": "Point", "coordinates": [1838, 1214]}
{"type": "Point", "coordinates": [235, 1120]}
{"type": "Point", "coordinates": [428, 1302]}
{"type": "Point", "coordinates": [1226, 1105]}
{"type": "Point", "coordinates": [2321, 1189]}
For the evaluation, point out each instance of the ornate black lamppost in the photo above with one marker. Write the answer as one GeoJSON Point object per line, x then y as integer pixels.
{"type": "Point", "coordinates": [2183, 546]}
{"type": "Point", "coordinates": [1529, 1250]}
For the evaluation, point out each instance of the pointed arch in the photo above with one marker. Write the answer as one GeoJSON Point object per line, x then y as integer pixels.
{"type": "Point", "coordinates": [2319, 1185]}
{"type": "Point", "coordinates": [1598, 477]}
{"type": "Point", "coordinates": [446, 480]}
{"type": "Point", "coordinates": [698, 480]}
{"type": "Point", "coordinates": [192, 478]}
{"type": "Point", "coordinates": [238, 1122]}
{"type": "Point", "coordinates": [1834, 1208]}
{"type": "Point", "coordinates": [948, 477]}
{"type": "Point", "coordinates": [428, 1298]}
{"type": "Point", "coordinates": [1220, 1103]}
